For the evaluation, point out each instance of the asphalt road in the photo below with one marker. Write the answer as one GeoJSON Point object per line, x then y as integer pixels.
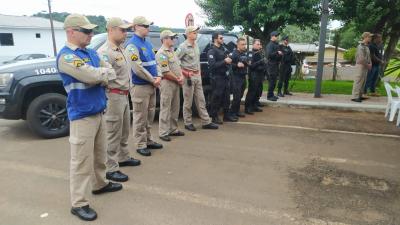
{"type": "Point", "coordinates": [280, 167]}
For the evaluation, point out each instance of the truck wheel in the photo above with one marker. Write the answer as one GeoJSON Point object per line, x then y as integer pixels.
{"type": "Point", "coordinates": [47, 116]}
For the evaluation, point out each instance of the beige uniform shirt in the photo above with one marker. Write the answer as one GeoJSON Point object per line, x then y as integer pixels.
{"type": "Point", "coordinates": [189, 56]}
{"type": "Point", "coordinates": [167, 61]}
{"type": "Point", "coordinates": [363, 56]}
{"type": "Point", "coordinates": [76, 67]}
{"type": "Point", "coordinates": [115, 55]}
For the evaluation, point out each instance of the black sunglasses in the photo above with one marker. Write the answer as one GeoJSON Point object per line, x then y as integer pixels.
{"type": "Point", "coordinates": [85, 31]}
{"type": "Point", "coordinates": [145, 26]}
{"type": "Point", "coordinates": [173, 38]}
{"type": "Point", "coordinates": [124, 30]}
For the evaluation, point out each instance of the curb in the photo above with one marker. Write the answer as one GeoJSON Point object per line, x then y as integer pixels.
{"type": "Point", "coordinates": [326, 105]}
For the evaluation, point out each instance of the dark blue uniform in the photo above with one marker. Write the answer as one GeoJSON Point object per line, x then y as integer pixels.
{"type": "Point", "coordinates": [220, 81]}
{"type": "Point", "coordinates": [273, 66]}
{"type": "Point", "coordinates": [285, 69]}
{"type": "Point", "coordinates": [256, 78]}
{"type": "Point", "coordinates": [238, 79]}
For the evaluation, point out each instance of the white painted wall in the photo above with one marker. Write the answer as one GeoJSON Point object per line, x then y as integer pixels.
{"type": "Point", "coordinates": [25, 42]}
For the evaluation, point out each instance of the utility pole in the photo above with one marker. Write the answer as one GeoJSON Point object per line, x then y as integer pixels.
{"type": "Point", "coordinates": [321, 52]}
{"type": "Point", "coordinates": [52, 29]}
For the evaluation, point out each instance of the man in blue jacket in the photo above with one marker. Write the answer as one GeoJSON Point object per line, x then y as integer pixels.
{"type": "Point", "coordinates": [145, 79]}
{"type": "Point", "coordinates": [85, 76]}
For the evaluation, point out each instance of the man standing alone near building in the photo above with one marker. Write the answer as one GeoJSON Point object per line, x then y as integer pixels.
{"type": "Point", "coordinates": [363, 63]}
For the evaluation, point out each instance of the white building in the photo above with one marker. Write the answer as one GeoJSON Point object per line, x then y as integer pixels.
{"type": "Point", "coordinates": [28, 35]}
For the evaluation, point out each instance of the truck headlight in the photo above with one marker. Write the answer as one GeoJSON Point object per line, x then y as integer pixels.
{"type": "Point", "coordinates": [5, 78]}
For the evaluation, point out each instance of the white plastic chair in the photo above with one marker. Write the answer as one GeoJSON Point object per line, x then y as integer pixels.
{"type": "Point", "coordinates": [393, 105]}
{"type": "Point", "coordinates": [398, 94]}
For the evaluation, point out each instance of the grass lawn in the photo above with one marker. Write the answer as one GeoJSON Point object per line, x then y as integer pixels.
{"type": "Point", "coordinates": [328, 87]}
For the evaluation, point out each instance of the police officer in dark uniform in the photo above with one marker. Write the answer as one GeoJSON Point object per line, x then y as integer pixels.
{"type": "Point", "coordinates": [218, 63]}
{"type": "Point", "coordinates": [274, 56]}
{"type": "Point", "coordinates": [285, 67]}
{"type": "Point", "coordinates": [239, 72]}
{"type": "Point", "coordinates": [256, 77]}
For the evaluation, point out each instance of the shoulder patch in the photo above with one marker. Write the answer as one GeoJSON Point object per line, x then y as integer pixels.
{"type": "Point", "coordinates": [211, 56]}
{"type": "Point", "coordinates": [106, 58]}
{"type": "Point", "coordinates": [69, 58]}
{"type": "Point", "coordinates": [134, 57]}
{"type": "Point", "coordinates": [163, 57]}
{"type": "Point", "coordinates": [131, 48]}
{"type": "Point", "coordinates": [78, 63]}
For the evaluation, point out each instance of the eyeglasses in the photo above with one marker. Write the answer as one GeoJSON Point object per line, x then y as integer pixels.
{"type": "Point", "coordinates": [173, 38]}
{"type": "Point", "coordinates": [124, 30]}
{"type": "Point", "coordinates": [144, 26]}
{"type": "Point", "coordinates": [85, 31]}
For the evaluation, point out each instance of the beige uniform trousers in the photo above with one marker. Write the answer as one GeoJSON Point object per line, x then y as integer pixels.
{"type": "Point", "coordinates": [194, 92]}
{"type": "Point", "coordinates": [144, 108]}
{"type": "Point", "coordinates": [359, 81]}
{"type": "Point", "coordinates": [118, 122]}
{"type": "Point", "coordinates": [169, 107]}
{"type": "Point", "coordinates": [88, 157]}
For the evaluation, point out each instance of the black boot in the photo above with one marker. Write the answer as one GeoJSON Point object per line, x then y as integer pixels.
{"type": "Point", "coordinates": [216, 120]}
{"type": "Point", "coordinates": [280, 94]}
{"type": "Point", "coordinates": [249, 111]}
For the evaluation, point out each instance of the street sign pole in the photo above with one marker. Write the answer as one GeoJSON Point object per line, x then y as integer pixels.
{"type": "Point", "coordinates": [52, 29]}
{"type": "Point", "coordinates": [321, 52]}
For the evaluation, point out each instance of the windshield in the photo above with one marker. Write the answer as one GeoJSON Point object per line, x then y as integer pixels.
{"type": "Point", "coordinates": [22, 57]}
{"type": "Point", "coordinates": [97, 41]}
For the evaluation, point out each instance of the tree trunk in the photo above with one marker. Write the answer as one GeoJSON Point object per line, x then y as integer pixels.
{"type": "Point", "coordinates": [335, 63]}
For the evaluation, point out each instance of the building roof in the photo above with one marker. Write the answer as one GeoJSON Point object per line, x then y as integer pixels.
{"type": "Point", "coordinates": [310, 48]}
{"type": "Point", "coordinates": [27, 22]}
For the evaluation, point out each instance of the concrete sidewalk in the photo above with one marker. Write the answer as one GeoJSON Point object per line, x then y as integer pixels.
{"type": "Point", "coordinates": [328, 101]}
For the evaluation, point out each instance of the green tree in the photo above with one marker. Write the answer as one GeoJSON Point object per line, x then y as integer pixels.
{"type": "Point", "coordinates": [259, 18]}
{"type": "Point", "coordinates": [301, 35]}
{"type": "Point", "coordinates": [374, 16]}
{"type": "Point", "coordinates": [100, 21]}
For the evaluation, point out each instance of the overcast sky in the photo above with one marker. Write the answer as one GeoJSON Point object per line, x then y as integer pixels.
{"type": "Point", "coordinates": [165, 13]}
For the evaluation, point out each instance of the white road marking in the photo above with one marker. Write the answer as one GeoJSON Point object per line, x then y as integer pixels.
{"type": "Point", "coordinates": [319, 129]}
{"type": "Point", "coordinates": [200, 199]}
{"type": "Point", "coordinates": [357, 162]}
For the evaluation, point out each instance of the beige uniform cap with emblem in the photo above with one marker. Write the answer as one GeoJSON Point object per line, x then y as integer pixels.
{"type": "Point", "coordinates": [191, 29]}
{"type": "Point", "coordinates": [118, 22]}
{"type": "Point", "coordinates": [140, 20]}
{"type": "Point", "coordinates": [77, 20]}
{"type": "Point", "coordinates": [167, 33]}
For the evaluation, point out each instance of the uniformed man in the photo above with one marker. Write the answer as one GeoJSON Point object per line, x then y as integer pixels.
{"type": "Point", "coordinates": [285, 68]}
{"type": "Point", "coordinates": [218, 63]}
{"type": "Point", "coordinates": [274, 56]}
{"type": "Point", "coordinates": [363, 63]}
{"type": "Point", "coordinates": [118, 113]}
{"type": "Point", "coordinates": [189, 55]}
{"type": "Point", "coordinates": [85, 75]}
{"type": "Point", "coordinates": [256, 77]}
{"type": "Point", "coordinates": [172, 80]}
{"type": "Point", "coordinates": [145, 80]}
{"type": "Point", "coordinates": [239, 72]}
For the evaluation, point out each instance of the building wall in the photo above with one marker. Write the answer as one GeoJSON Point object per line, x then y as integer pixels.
{"type": "Point", "coordinates": [329, 56]}
{"type": "Point", "coordinates": [25, 42]}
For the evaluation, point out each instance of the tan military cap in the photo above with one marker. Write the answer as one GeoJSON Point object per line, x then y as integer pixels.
{"type": "Point", "coordinates": [190, 29]}
{"type": "Point", "coordinates": [77, 20]}
{"type": "Point", "coordinates": [117, 22]}
{"type": "Point", "coordinates": [140, 20]}
{"type": "Point", "coordinates": [167, 33]}
{"type": "Point", "coordinates": [366, 34]}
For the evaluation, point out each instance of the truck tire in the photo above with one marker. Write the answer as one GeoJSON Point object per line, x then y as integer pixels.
{"type": "Point", "coordinates": [47, 116]}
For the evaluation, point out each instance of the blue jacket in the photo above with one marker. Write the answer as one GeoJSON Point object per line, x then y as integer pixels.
{"type": "Point", "coordinates": [83, 100]}
{"type": "Point", "coordinates": [147, 57]}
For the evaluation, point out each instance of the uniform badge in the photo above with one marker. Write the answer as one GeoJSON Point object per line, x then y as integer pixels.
{"type": "Point", "coordinates": [144, 49]}
{"type": "Point", "coordinates": [78, 63]}
{"type": "Point", "coordinates": [69, 58]}
{"type": "Point", "coordinates": [105, 58]}
{"type": "Point", "coordinates": [211, 56]}
{"type": "Point", "coordinates": [131, 49]}
{"type": "Point", "coordinates": [134, 57]}
{"type": "Point", "coordinates": [86, 59]}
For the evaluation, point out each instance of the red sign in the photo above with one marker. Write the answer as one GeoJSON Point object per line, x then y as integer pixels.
{"type": "Point", "coordinates": [189, 20]}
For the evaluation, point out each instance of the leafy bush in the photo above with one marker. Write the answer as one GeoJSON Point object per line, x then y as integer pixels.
{"type": "Point", "coordinates": [350, 55]}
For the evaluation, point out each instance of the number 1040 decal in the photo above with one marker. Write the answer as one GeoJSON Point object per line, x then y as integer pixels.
{"type": "Point", "coordinates": [49, 70]}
